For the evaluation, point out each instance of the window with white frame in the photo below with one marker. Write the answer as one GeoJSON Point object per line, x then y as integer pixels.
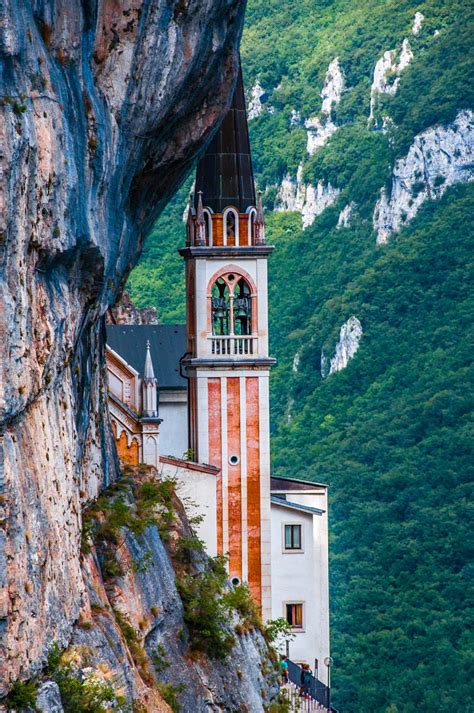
{"type": "Point", "coordinates": [231, 227]}
{"type": "Point", "coordinates": [292, 537]}
{"type": "Point", "coordinates": [294, 615]}
{"type": "Point", "coordinates": [251, 226]}
{"type": "Point", "coordinates": [208, 226]}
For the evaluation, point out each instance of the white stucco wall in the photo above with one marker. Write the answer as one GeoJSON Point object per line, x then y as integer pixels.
{"type": "Point", "coordinates": [197, 491]}
{"type": "Point", "coordinates": [302, 577]}
{"type": "Point", "coordinates": [173, 410]}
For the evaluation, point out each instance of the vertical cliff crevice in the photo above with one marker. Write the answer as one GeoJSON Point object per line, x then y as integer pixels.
{"type": "Point", "coordinates": [103, 107]}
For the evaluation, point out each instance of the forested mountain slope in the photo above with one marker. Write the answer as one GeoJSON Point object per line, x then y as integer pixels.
{"type": "Point", "coordinates": [362, 138]}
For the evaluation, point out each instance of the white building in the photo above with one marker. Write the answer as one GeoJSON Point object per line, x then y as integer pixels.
{"type": "Point", "coordinates": [300, 587]}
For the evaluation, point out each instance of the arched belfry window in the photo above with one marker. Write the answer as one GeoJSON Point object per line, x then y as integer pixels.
{"type": "Point", "coordinates": [208, 226]}
{"type": "Point", "coordinates": [251, 226]}
{"type": "Point", "coordinates": [231, 306]}
{"type": "Point", "coordinates": [231, 227]}
{"type": "Point", "coordinates": [220, 301]}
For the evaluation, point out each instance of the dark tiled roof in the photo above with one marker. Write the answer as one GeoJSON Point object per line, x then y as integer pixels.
{"type": "Point", "coordinates": [167, 346]}
{"type": "Point", "coordinates": [224, 173]}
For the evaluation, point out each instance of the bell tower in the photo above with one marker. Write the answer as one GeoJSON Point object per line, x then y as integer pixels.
{"type": "Point", "coordinates": [227, 361]}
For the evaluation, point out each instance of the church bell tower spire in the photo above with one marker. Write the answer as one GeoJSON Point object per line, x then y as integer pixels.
{"type": "Point", "coordinates": [227, 361]}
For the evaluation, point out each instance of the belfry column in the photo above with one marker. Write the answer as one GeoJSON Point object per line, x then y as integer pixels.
{"type": "Point", "coordinates": [227, 360]}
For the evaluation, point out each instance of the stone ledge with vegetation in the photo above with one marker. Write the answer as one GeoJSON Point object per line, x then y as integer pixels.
{"type": "Point", "coordinates": [159, 626]}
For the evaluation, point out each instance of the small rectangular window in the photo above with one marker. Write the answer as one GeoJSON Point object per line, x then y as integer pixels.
{"type": "Point", "coordinates": [292, 537]}
{"type": "Point", "coordinates": [294, 615]}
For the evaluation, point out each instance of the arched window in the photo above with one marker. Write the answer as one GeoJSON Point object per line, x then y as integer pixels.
{"type": "Point", "coordinates": [231, 305]}
{"type": "Point", "coordinates": [208, 228]}
{"type": "Point", "coordinates": [231, 227]}
{"type": "Point", "coordinates": [220, 305]}
{"type": "Point", "coordinates": [251, 226]}
{"type": "Point", "coordinates": [242, 308]}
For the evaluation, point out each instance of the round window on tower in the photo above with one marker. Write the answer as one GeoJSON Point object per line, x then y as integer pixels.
{"type": "Point", "coordinates": [235, 581]}
{"type": "Point", "coordinates": [234, 460]}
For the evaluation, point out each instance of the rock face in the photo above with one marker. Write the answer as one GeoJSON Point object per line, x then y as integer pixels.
{"type": "Point", "coordinates": [255, 104]}
{"type": "Point", "coordinates": [319, 129]}
{"type": "Point", "coordinates": [417, 23]}
{"type": "Point", "coordinates": [125, 312]}
{"type": "Point", "coordinates": [345, 216]}
{"type": "Point", "coordinates": [297, 196]}
{"type": "Point", "coordinates": [132, 631]}
{"type": "Point", "coordinates": [438, 158]}
{"type": "Point", "coordinates": [348, 344]}
{"type": "Point", "coordinates": [104, 106]}
{"type": "Point", "coordinates": [48, 699]}
{"type": "Point", "coordinates": [387, 74]}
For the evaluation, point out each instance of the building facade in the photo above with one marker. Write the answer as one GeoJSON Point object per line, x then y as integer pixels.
{"type": "Point", "coordinates": [227, 361]}
{"type": "Point", "coordinates": [208, 424]}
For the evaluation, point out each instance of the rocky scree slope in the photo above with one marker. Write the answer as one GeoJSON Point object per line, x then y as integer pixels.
{"type": "Point", "coordinates": [103, 107]}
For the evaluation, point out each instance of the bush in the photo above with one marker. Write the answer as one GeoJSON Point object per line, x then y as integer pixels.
{"type": "Point", "coordinates": [22, 695]}
{"type": "Point", "coordinates": [170, 694]}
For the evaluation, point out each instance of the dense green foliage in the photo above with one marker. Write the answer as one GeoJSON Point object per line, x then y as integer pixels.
{"type": "Point", "coordinates": [391, 433]}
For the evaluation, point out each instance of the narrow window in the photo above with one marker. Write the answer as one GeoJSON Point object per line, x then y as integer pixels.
{"type": "Point", "coordinates": [292, 537]}
{"type": "Point", "coordinates": [231, 227]}
{"type": "Point", "coordinates": [208, 227]}
{"type": "Point", "coordinates": [220, 308]}
{"type": "Point", "coordinates": [294, 615]}
{"type": "Point", "coordinates": [242, 309]}
{"type": "Point", "coordinates": [251, 227]}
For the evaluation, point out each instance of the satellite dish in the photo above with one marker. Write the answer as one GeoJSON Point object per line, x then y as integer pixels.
{"type": "Point", "coordinates": [328, 661]}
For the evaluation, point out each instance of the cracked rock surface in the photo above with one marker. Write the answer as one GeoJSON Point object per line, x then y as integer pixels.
{"type": "Point", "coordinates": [103, 107]}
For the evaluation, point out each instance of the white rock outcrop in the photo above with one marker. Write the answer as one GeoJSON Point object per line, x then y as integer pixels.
{"type": "Point", "coordinates": [348, 344]}
{"type": "Point", "coordinates": [255, 104]}
{"type": "Point", "coordinates": [333, 87]}
{"type": "Point", "coordinates": [297, 196]}
{"type": "Point", "coordinates": [295, 118]}
{"type": "Point", "coordinates": [296, 361]}
{"type": "Point", "coordinates": [417, 23]}
{"type": "Point", "coordinates": [344, 220]}
{"type": "Point", "coordinates": [318, 132]}
{"type": "Point", "coordinates": [387, 74]}
{"type": "Point", "coordinates": [320, 128]}
{"type": "Point", "coordinates": [438, 158]}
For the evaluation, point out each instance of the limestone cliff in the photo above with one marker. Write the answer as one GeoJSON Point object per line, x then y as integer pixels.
{"type": "Point", "coordinates": [310, 201]}
{"type": "Point", "coordinates": [438, 158]}
{"type": "Point", "coordinates": [126, 312]}
{"type": "Point", "coordinates": [104, 105]}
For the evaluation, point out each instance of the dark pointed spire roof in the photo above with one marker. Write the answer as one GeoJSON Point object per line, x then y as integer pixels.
{"type": "Point", "coordinates": [224, 174]}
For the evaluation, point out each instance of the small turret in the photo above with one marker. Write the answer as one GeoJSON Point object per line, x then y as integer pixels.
{"type": "Point", "coordinates": [200, 238]}
{"type": "Point", "coordinates": [149, 387]}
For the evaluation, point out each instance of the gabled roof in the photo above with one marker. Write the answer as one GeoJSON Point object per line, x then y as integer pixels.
{"type": "Point", "coordinates": [225, 174]}
{"type": "Point", "coordinates": [167, 346]}
{"type": "Point", "coordinates": [296, 506]}
{"type": "Point", "coordinates": [281, 483]}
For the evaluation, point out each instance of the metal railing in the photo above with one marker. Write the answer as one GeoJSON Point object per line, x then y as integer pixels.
{"type": "Point", "coordinates": [317, 690]}
{"type": "Point", "coordinates": [233, 345]}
